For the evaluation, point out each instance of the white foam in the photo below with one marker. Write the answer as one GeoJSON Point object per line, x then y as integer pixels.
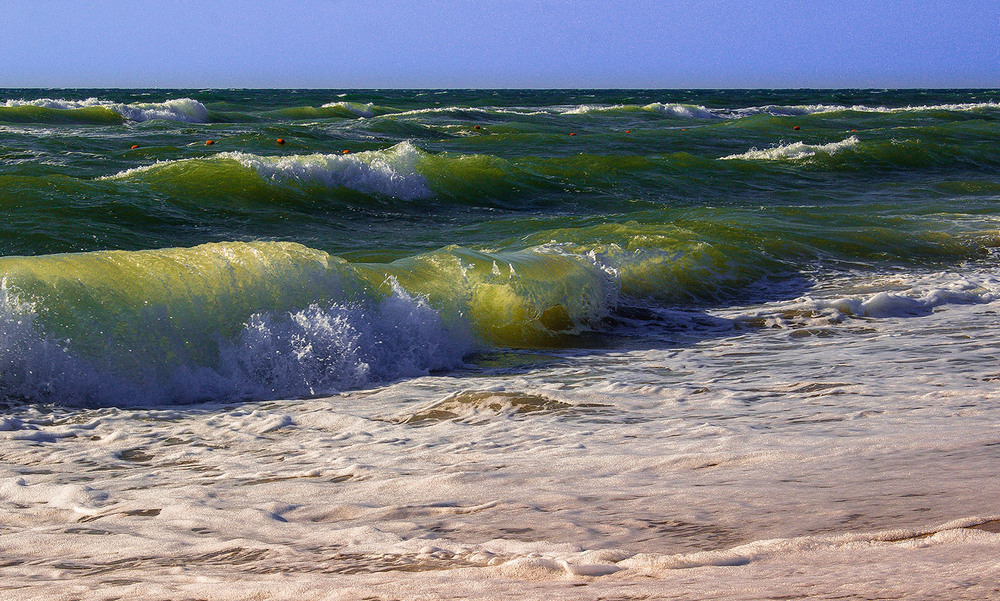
{"type": "Point", "coordinates": [317, 350]}
{"type": "Point", "coordinates": [860, 108]}
{"type": "Point", "coordinates": [688, 111]}
{"type": "Point", "coordinates": [684, 111]}
{"type": "Point", "coordinates": [914, 298]}
{"type": "Point", "coordinates": [179, 109]}
{"type": "Point", "coordinates": [320, 350]}
{"type": "Point", "coordinates": [473, 110]}
{"type": "Point", "coordinates": [794, 151]}
{"type": "Point", "coordinates": [391, 172]}
{"type": "Point", "coordinates": [361, 110]}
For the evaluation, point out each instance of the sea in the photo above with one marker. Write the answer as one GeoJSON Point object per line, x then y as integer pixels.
{"type": "Point", "coordinates": [499, 344]}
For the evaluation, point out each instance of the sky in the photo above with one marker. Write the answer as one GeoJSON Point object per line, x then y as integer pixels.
{"type": "Point", "coordinates": [500, 44]}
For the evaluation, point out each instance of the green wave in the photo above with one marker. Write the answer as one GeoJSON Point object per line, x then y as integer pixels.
{"type": "Point", "coordinates": [547, 286]}
{"type": "Point", "coordinates": [37, 114]}
{"type": "Point", "coordinates": [173, 306]}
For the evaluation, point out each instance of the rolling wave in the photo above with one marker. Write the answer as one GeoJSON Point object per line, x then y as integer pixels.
{"type": "Point", "coordinates": [180, 109]}
{"type": "Point", "coordinates": [392, 172]}
{"type": "Point", "coordinates": [794, 151]}
{"type": "Point", "coordinates": [269, 320]}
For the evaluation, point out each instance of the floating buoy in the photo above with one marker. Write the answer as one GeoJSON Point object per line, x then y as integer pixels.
{"type": "Point", "coordinates": [572, 134]}
{"type": "Point", "coordinates": [280, 140]}
{"type": "Point", "coordinates": [476, 127]}
{"type": "Point", "coordinates": [796, 128]}
{"type": "Point", "coordinates": [346, 151]}
{"type": "Point", "coordinates": [209, 142]}
{"type": "Point", "coordinates": [854, 130]}
{"type": "Point", "coordinates": [628, 131]}
{"type": "Point", "coordinates": [134, 146]}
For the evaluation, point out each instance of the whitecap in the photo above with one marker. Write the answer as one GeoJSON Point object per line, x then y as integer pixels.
{"type": "Point", "coordinates": [794, 151]}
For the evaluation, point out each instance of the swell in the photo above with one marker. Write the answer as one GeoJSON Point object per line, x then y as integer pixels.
{"type": "Point", "coordinates": [405, 172]}
{"type": "Point", "coordinates": [178, 202]}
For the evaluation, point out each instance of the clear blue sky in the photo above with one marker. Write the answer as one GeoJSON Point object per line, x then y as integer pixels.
{"type": "Point", "coordinates": [502, 43]}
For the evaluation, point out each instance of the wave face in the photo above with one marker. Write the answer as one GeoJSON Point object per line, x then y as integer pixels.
{"type": "Point", "coordinates": [329, 240]}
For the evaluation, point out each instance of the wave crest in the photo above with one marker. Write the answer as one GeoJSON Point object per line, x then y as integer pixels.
{"type": "Point", "coordinates": [392, 172]}
{"type": "Point", "coordinates": [794, 151]}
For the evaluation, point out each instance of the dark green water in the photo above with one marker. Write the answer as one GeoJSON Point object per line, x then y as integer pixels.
{"type": "Point", "coordinates": [496, 218]}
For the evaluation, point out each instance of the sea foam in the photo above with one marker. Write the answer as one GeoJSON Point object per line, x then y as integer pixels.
{"type": "Point", "coordinates": [391, 172]}
{"type": "Point", "coordinates": [674, 110]}
{"type": "Point", "coordinates": [356, 108]}
{"type": "Point", "coordinates": [794, 151]}
{"type": "Point", "coordinates": [321, 349]}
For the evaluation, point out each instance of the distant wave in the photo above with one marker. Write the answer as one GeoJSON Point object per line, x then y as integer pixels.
{"type": "Point", "coordinates": [693, 111]}
{"type": "Point", "coordinates": [794, 151]}
{"type": "Point", "coordinates": [356, 108]}
{"type": "Point", "coordinates": [180, 109]}
{"type": "Point", "coordinates": [390, 172]}
{"type": "Point", "coordinates": [816, 109]}
{"type": "Point", "coordinates": [674, 110]}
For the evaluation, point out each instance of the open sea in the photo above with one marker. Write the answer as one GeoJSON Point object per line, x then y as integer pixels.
{"type": "Point", "coordinates": [499, 344]}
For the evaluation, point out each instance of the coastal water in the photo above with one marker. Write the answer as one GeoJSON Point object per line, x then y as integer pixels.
{"type": "Point", "coordinates": [485, 344]}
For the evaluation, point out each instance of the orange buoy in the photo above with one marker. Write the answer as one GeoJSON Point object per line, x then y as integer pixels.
{"type": "Point", "coordinates": [628, 131]}
{"type": "Point", "coordinates": [796, 128]}
{"type": "Point", "coordinates": [134, 146]}
{"type": "Point", "coordinates": [280, 140]}
{"type": "Point", "coordinates": [346, 151]}
{"type": "Point", "coordinates": [572, 134]}
{"type": "Point", "coordinates": [209, 142]}
{"type": "Point", "coordinates": [476, 127]}
{"type": "Point", "coordinates": [854, 130]}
